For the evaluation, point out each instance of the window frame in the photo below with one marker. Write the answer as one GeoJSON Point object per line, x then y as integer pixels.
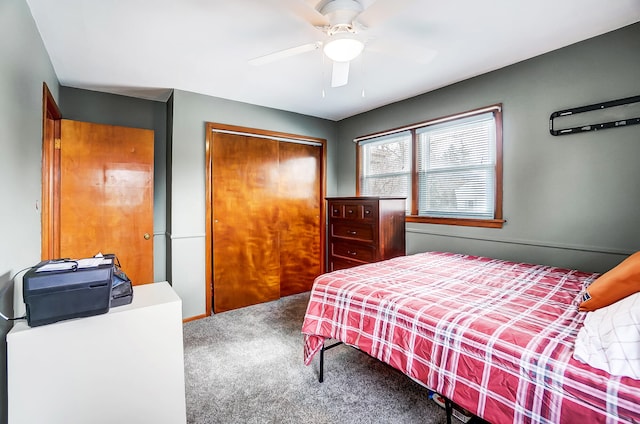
{"type": "Point", "coordinates": [497, 221]}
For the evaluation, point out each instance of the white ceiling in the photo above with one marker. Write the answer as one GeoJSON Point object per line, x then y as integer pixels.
{"type": "Point", "coordinates": [144, 48]}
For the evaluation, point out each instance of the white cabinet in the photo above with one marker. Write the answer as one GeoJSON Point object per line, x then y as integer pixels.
{"type": "Point", "coordinates": [125, 366]}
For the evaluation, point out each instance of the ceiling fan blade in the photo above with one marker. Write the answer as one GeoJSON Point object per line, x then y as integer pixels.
{"type": "Point", "coordinates": [293, 51]}
{"type": "Point", "coordinates": [340, 74]}
{"type": "Point", "coordinates": [307, 12]}
{"type": "Point", "coordinates": [380, 10]}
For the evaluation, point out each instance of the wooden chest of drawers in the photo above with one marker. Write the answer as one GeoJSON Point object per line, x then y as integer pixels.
{"type": "Point", "coordinates": [364, 230]}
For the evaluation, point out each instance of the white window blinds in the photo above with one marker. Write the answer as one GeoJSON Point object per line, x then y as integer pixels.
{"type": "Point", "coordinates": [457, 168]}
{"type": "Point", "coordinates": [385, 166]}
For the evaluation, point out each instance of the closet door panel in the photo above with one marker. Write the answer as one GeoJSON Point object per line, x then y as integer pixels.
{"type": "Point", "coordinates": [246, 259]}
{"type": "Point", "coordinates": [300, 202]}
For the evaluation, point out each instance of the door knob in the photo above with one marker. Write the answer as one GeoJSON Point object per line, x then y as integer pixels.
{"type": "Point", "coordinates": [147, 236]}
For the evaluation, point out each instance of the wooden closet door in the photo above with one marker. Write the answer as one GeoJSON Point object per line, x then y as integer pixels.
{"type": "Point", "coordinates": [246, 258]}
{"type": "Point", "coordinates": [300, 211]}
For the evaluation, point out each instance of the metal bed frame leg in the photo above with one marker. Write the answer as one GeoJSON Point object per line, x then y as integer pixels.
{"type": "Point", "coordinates": [448, 407]}
{"type": "Point", "coordinates": [324, 347]}
{"type": "Point", "coordinates": [321, 377]}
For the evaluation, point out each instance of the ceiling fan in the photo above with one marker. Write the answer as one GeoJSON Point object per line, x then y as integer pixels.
{"type": "Point", "coordinates": [342, 22]}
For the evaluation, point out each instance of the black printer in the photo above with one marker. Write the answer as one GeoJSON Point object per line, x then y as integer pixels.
{"type": "Point", "coordinates": [63, 289]}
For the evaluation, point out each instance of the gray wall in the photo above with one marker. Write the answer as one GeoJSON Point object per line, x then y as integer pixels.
{"type": "Point", "coordinates": [191, 112]}
{"type": "Point", "coordinates": [569, 201]}
{"type": "Point", "coordinates": [24, 66]}
{"type": "Point", "coordinates": [111, 109]}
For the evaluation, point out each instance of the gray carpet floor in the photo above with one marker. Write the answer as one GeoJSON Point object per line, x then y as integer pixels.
{"type": "Point", "coordinates": [246, 366]}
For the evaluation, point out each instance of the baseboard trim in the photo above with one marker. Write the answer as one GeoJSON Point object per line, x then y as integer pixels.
{"type": "Point", "coordinates": [185, 320]}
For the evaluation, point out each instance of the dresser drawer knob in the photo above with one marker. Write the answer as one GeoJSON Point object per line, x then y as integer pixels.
{"type": "Point", "coordinates": [352, 232]}
{"type": "Point", "coordinates": [352, 253]}
{"type": "Point", "coordinates": [367, 212]}
{"type": "Point", "coordinates": [350, 211]}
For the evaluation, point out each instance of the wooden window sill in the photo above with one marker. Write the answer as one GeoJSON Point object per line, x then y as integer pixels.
{"type": "Point", "coordinates": [467, 222]}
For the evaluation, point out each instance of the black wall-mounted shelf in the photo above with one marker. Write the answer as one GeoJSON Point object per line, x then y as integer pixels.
{"type": "Point", "coordinates": [623, 122]}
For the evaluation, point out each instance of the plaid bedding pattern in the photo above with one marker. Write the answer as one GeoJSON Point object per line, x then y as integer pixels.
{"type": "Point", "coordinates": [496, 337]}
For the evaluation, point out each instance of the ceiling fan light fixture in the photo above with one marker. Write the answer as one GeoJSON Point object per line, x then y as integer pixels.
{"type": "Point", "coordinates": [343, 49]}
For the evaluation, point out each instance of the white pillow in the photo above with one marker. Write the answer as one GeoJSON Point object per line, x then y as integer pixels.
{"type": "Point", "coordinates": [610, 338]}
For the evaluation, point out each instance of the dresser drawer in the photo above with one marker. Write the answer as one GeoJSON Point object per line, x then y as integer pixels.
{"type": "Point", "coordinates": [336, 263]}
{"type": "Point", "coordinates": [369, 211]}
{"type": "Point", "coordinates": [353, 230]}
{"type": "Point", "coordinates": [353, 211]}
{"type": "Point", "coordinates": [336, 210]}
{"type": "Point", "coordinates": [353, 251]}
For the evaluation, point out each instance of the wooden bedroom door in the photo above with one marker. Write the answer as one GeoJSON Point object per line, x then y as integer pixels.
{"type": "Point", "coordinates": [106, 195]}
{"type": "Point", "coordinates": [266, 218]}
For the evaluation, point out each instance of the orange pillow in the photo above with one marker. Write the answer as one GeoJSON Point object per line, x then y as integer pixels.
{"type": "Point", "coordinates": [616, 284]}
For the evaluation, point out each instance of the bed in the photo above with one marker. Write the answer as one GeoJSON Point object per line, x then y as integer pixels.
{"type": "Point", "coordinates": [495, 337]}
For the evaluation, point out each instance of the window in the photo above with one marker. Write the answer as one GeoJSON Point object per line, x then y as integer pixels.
{"type": "Point", "coordinates": [456, 168]}
{"type": "Point", "coordinates": [450, 169]}
{"type": "Point", "coordinates": [386, 167]}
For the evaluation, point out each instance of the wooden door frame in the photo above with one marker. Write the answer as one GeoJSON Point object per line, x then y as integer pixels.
{"type": "Point", "coordinates": [210, 127]}
{"type": "Point", "coordinates": [51, 116]}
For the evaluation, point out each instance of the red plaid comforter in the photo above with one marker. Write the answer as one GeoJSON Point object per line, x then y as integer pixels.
{"type": "Point", "coordinates": [496, 337]}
